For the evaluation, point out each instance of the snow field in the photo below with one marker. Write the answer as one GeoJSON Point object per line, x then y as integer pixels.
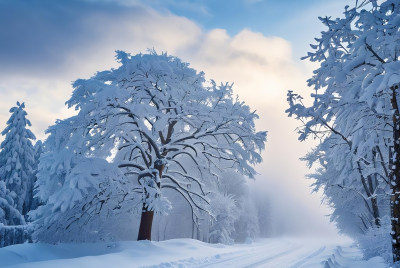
{"type": "Point", "coordinates": [272, 252]}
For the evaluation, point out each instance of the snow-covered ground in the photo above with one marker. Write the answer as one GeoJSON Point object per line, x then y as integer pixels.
{"type": "Point", "coordinates": [274, 252]}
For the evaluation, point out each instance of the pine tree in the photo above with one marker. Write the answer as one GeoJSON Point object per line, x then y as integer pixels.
{"type": "Point", "coordinates": [38, 152]}
{"type": "Point", "coordinates": [13, 229]}
{"type": "Point", "coordinates": [8, 214]}
{"type": "Point", "coordinates": [17, 159]}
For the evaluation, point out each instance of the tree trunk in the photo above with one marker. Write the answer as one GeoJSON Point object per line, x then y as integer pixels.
{"type": "Point", "coordinates": [395, 178]}
{"type": "Point", "coordinates": [193, 227]}
{"type": "Point", "coordinates": [370, 194]}
{"type": "Point", "coordinates": [375, 211]}
{"type": "Point", "coordinates": [374, 203]}
{"type": "Point", "coordinates": [146, 220]}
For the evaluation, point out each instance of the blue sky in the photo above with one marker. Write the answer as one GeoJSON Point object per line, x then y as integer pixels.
{"type": "Point", "coordinates": [292, 20]}
{"type": "Point", "coordinates": [264, 16]}
{"type": "Point", "coordinates": [47, 44]}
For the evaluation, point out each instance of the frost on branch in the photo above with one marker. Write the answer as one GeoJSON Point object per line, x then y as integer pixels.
{"type": "Point", "coordinates": [151, 192]}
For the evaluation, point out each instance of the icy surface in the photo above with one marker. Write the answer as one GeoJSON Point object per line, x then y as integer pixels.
{"type": "Point", "coordinates": [273, 252]}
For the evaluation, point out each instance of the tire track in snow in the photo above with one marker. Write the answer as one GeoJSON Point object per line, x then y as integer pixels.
{"type": "Point", "coordinates": [309, 257]}
{"type": "Point", "coordinates": [270, 258]}
{"type": "Point", "coordinates": [253, 259]}
{"type": "Point", "coordinates": [279, 254]}
{"type": "Point", "coordinates": [222, 259]}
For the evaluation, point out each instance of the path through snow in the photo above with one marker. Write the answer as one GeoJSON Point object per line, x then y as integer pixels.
{"type": "Point", "coordinates": [274, 252]}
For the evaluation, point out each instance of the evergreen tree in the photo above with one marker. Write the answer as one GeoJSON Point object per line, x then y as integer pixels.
{"type": "Point", "coordinates": [13, 229]}
{"type": "Point", "coordinates": [38, 152]}
{"type": "Point", "coordinates": [17, 159]}
{"type": "Point", "coordinates": [8, 214]}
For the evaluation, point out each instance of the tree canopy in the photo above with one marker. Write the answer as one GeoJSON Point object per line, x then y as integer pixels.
{"type": "Point", "coordinates": [161, 123]}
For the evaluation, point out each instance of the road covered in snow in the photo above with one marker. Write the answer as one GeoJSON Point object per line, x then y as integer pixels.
{"type": "Point", "coordinates": [272, 252]}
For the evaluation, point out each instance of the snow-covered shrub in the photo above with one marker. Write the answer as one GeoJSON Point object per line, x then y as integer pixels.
{"type": "Point", "coordinates": [226, 213]}
{"type": "Point", "coordinates": [93, 205]}
{"type": "Point", "coordinates": [11, 235]}
{"type": "Point", "coordinates": [13, 229]}
{"type": "Point", "coordinates": [377, 241]}
{"type": "Point", "coordinates": [247, 226]}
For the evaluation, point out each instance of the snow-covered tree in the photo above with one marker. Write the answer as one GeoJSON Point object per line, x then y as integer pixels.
{"type": "Point", "coordinates": [38, 152]}
{"type": "Point", "coordinates": [80, 195]}
{"type": "Point", "coordinates": [13, 229]}
{"type": "Point", "coordinates": [161, 124]}
{"type": "Point", "coordinates": [247, 225]}
{"type": "Point", "coordinates": [235, 213]}
{"type": "Point", "coordinates": [352, 114]}
{"type": "Point", "coordinates": [17, 159]}
{"type": "Point", "coordinates": [259, 206]}
{"type": "Point", "coordinates": [226, 213]}
{"type": "Point", "coordinates": [243, 214]}
{"type": "Point", "coordinates": [8, 214]}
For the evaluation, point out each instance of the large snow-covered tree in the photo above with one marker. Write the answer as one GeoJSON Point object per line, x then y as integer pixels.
{"type": "Point", "coordinates": [352, 113]}
{"type": "Point", "coordinates": [162, 124]}
{"type": "Point", "coordinates": [17, 159]}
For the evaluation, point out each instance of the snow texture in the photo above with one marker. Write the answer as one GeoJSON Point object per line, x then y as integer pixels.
{"type": "Point", "coordinates": [277, 252]}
